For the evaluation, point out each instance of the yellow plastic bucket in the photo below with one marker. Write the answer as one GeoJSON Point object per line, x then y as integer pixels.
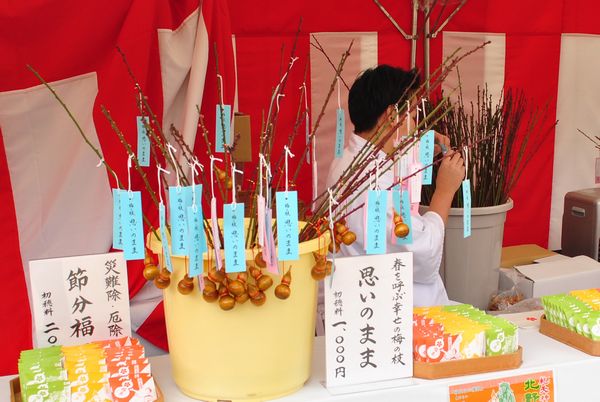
{"type": "Point", "coordinates": [250, 353]}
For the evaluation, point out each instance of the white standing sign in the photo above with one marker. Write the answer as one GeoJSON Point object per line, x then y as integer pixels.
{"type": "Point", "coordinates": [79, 299]}
{"type": "Point", "coordinates": [368, 320]}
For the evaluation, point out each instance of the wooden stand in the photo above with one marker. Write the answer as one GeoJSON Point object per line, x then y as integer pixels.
{"type": "Point", "coordinates": [455, 368]}
{"type": "Point", "coordinates": [15, 391]}
{"type": "Point", "coordinates": [569, 337]}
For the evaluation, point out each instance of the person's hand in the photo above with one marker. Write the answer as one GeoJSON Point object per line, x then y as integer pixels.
{"type": "Point", "coordinates": [451, 173]}
{"type": "Point", "coordinates": [443, 140]}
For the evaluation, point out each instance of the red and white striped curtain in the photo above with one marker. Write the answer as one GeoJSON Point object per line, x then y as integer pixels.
{"type": "Point", "coordinates": [56, 202]}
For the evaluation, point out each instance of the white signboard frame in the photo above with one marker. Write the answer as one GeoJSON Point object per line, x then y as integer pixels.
{"type": "Point", "coordinates": [80, 299]}
{"type": "Point", "coordinates": [368, 323]}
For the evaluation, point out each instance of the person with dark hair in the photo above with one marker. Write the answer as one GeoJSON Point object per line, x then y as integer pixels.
{"type": "Point", "coordinates": [372, 103]}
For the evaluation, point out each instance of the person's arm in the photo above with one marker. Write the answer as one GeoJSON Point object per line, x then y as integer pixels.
{"type": "Point", "coordinates": [450, 175]}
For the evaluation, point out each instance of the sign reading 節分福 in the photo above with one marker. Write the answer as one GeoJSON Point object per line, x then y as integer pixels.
{"type": "Point", "coordinates": [79, 299]}
{"type": "Point", "coordinates": [368, 321]}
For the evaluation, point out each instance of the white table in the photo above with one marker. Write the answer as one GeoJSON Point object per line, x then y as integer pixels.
{"type": "Point", "coordinates": [576, 376]}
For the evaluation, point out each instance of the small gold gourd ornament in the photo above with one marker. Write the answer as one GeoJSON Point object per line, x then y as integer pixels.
{"type": "Point", "coordinates": [257, 297]}
{"type": "Point", "coordinates": [150, 269]}
{"type": "Point", "coordinates": [343, 234]}
{"type": "Point", "coordinates": [163, 279]}
{"type": "Point", "coordinates": [263, 282]}
{"type": "Point", "coordinates": [186, 285]}
{"type": "Point", "coordinates": [210, 293]}
{"type": "Point", "coordinates": [319, 270]}
{"type": "Point", "coordinates": [223, 178]}
{"type": "Point", "coordinates": [226, 301]}
{"type": "Point", "coordinates": [282, 291]}
{"type": "Point", "coordinates": [259, 261]}
{"type": "Point", "coordinates": [216, 276]}
{"type": "Point", "coordinates": [243, 297]}
{"type": "Point", "coordinates": [401, 229]}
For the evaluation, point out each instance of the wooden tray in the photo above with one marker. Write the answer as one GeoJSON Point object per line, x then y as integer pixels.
{"type": "Point", "coordinates": [569, 337]}
{"type": "Point", "coordinates": [15, 391]}
{"type": "Point", "coordinates": [455, 368]}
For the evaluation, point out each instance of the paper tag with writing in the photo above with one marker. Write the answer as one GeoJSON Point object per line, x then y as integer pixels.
{"type": "Point", "coordinates": [426, 155]}
{"type": "Point", "coordinates": [143, 141]}
{"type": "Point", "coordinates": [415, 183]}
{"type": "Point", "coordinates": [117, 219]}
{"type": "Point", "coordinates": [340, 133]}
{"type": "Point", "coordinates": [402, 206]}
{"type": "Point", "coordinates": [79, 299]}
{"type": "Point", "coordinates": [466, 193]}
{"type": "Point", "coordinates": [223, 122]}
{"type": "Point", "coordinates": [233, 236]}
{"type": "Point", "coordinates": [133, 230]}
{"type": "Point", "coordinates": [214, 224]}
{"type": "Point", "coordinates": [368, 320]}
{"type": "Point", "coordinates": [180, 198]}
{"type": "Point", "coordinates": [260, 218]}
{"type": "Point", "coordinates": [287, 225]}
{"type": "Point", "coordinates": [307, 136]}
{"type": "Point", "coordinates": [197, 239]}
{"type": "Point", "coordinates": [162, 217]}
{"type": "Point", "coordinates": [376, 222]}
{"type": "Point", "coordinates": [271, 258]}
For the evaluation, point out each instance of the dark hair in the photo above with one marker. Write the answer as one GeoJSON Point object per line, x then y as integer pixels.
{"type": "Point", "coordinates": [376, 89]}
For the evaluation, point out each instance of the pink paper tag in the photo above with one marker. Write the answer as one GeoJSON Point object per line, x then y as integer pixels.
{"type": "Point", "coordinates": [415, 183]}
{"type": "Point", "coordinates": [597, 181]}
{"type": "Point", "coordinates": [270, 240]}
{"type": "Point", "coordinates": [365, 215]}
{"type": "Point", "coordinates": [215, 232]}
{"type": "Point", "coordinates": [201, 283]}
{"type": "Point", "coordinates": [260, 217]}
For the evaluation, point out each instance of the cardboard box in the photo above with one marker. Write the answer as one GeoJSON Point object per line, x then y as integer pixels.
{"type": "Point", "coordinates": [455, 368]}
{"type": "Point", "coordinates": [558, 276]}
{"type": "Point", "coordinates": [523, 254]}
{"type": "Point", "coordinates": [569, 337]}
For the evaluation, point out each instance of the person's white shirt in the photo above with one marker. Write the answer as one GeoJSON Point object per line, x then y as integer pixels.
{"type": "Point", "coordinates": [427, 232]}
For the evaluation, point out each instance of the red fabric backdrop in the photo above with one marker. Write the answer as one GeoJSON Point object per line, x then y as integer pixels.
{"type": "Point", "coordinates": [63, 39]}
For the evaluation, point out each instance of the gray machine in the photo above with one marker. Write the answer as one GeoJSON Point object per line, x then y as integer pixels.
{"type": "Point", "coordinates": [581, 223]}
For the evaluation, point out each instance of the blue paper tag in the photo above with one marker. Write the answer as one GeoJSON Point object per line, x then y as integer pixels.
{"type": "Point", "coordinates": [180, 198]}
{"type": "Point", "coordinates": [402, 205]}
{"type": "Point", "coordinates": [197, 239]}
{"type": "Point", "coordinates": [223, 120]}
{"type": "Point", "coordinates": [117, 219]}
{"type": "Point", "coordinates": [287, 225]}
{"type": "Point", "coordinates": [133, 230]}
{"type": "Point", "coordinates": [162, 218]}
{"type": "Point", "coordinates": [466, 193]}
{"type": "Point", "coordinates": [376, 222]}
{"type": "Point", "coordinates": [143, 141]}
{"type": "Point", "coordinates": [340, 132]}
{"type": "Point", "coordinates": [426, 155]}
{"type": "Point", "coordinates": [233, 233]}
